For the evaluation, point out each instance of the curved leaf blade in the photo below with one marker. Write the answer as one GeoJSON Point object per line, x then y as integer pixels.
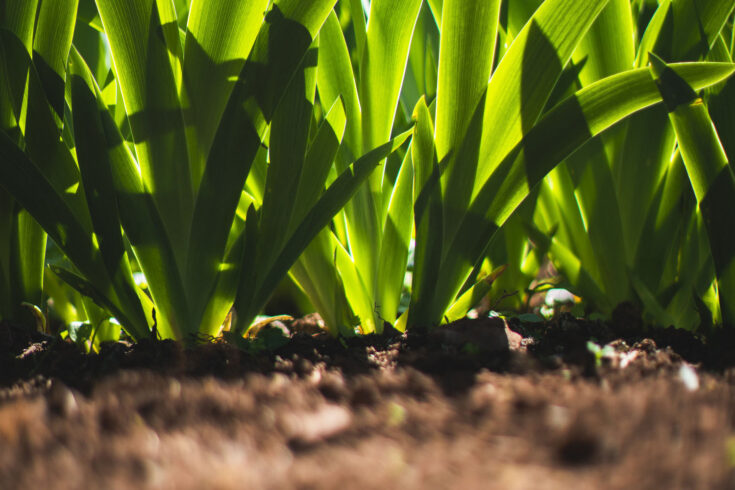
{"type": "Point", "coordinates": [563, 129]}
{"type": "Point", "coordinates": [709, 172]}
{"type": "Point", "coordinates": [146, 53]}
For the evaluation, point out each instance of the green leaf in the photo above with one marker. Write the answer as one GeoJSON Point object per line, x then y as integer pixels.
{"type": "Point", "coordinates": [360, 26]}
{"type": "Point", "coordinates": [522, 83]}
{"type": "Point", "coordinates": [650, 303]}
{"type": "Point", "coordinates": [684, 31]}
{"type": "Point", "coordinates": [436, 7]}
{"type": "Point", "coordinates": [23, 246]}
{"type": "Point", "coordinates": [356, 292]}
{"type": "Point", "coordinates": [609, 46]}
{"type": "Point", "coordinates": [336, 79]}
{"type": "Point", "coordinates": [18, 19]}
{"type": "Point", "coordinates": [245, 285]}
{"type": "Point", "coordinates": [146, 54]}
{"type": "Point", "coordinates": [87, 289]}
{"type": "Point", "coordinates": [279, 50]}
{"type": "Point", "coordinates": [219, 37]}
{"type": "Point", "coordinates": [95, 162]}
{"type": "Point", "coordinates": [137, 212]}
{"type": "Point", "coordinates": [468, 26]}
{"type": "Point", "coordinates": [382, 70]}
{"type": "Point", "coordinates": [316, 273]}
{"type": "Point", "coordinates": [513, 101]}
{"type": "Point", "coordinates": [562, 130]}
{"type": "Point", "coordinates": [51, 43]}
{"type": "Point", "coordinates": [428, 217]}
{"type": "Point", "coordinates": [24, 181]}
{"type": "Point", "coordinates": [236, 272]}
{"type": "Point", "coordinates": [333, 199]}
{"type": "Point", "coordinates": [647, 139]}
{"type": "Point", "coordinates": [389, 33]}
{"type": "Point", "coordinates": [421, 75]}
{"type": "Point", "coordinates": [679, 31]}
{"type": "Point", "coordinates": [709, 172]}
{"type": "Point", "coordinates": [80, 332]}
{"type": "Point", "coordinates": [91, 44]}
{"type": "Point", "coordinates": [318, 161]}
{"type": "Point", "coordinates": [472, 297]}
{"type": "Point", "coordinates": [590, 203]}
{"type": "Point", "coordinates": [394, 247]}
{"type": "Point", "coordinates": [26, 260]}
{"type": "Point", "coordinates": [288, 143]}
{"type": "Point", "coordinates": [41, 128]}
{"type": "Point", "coordinates": [701, 148]}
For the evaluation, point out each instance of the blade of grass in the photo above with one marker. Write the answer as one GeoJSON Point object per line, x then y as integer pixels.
{"type": "Point", "coordinates": [318, 161]}
{"type": "Point", "coordinates": [51, 43]}
{"type": "Point", "coordinates": [382, 68]}
{"type": "Point", "coordinates": [360, 25]}
{"type": "Point", "coordinates": [22, 246]}
{"type": "Point", "coordinates": [288, 144]}
{"type": "Point", "coordinates": [335, 79]}
{"type": "Point", "coordinates": [428, 219]}
{"type": "Point", "coordinates": [95, 162]}
{"type": "Point", "coordinates": [394, 247]}
{"type": "Point", "coordinates": [316, 273]}
{"type": "Point", "coordinates": [389, 31]}
{"type": "Point", "coordinates": [523, 81]}
{"type": "Point", "coordinates": [137, 212]}
{"type": "Point", "coordinates": [219, 37]}
{"type": "Point", "coordinates": [146, 52]}
{"type": "Point", "coordinates": [467, 27]}
{"type": "Point", "coordinates": [709, 172]}
{"type": "Point", "coordinates": [684, 31]}
{"type": "Point", "coordinates": [28, 185]}
{"type": "Point", "coordinates": [680, 31]}
{"type": "Point", "coordinates": [19, 19]}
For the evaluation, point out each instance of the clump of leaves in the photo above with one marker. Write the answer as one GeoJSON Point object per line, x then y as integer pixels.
{"type": "Point", "coordinates": [147, 173]}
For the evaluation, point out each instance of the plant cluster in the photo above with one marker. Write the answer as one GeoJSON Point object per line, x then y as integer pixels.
{"type": "Point", "coordinates": [398, 159]}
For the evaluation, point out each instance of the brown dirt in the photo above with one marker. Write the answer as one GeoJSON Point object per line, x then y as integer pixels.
{"type": "Point", "coordinates": [473, 405]}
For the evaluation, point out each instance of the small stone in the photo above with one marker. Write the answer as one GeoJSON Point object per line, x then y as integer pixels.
{"type": "Point", "coordinates": [310, 428]}
{"type": "Point", "coordinates": [61, 401]}
{"type": "Point", "coordinates": [689, 378]}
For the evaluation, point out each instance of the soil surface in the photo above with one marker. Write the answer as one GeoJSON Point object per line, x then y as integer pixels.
{"type": "Point", "coordinates": [482, 403]}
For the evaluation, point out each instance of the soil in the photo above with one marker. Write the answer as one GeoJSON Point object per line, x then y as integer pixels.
{"type": "Point", "coordinates": [482, 403]}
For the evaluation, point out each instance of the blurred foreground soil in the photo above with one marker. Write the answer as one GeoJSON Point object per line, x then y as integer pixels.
{"type": "Point", "coordinates": [482, 404]}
